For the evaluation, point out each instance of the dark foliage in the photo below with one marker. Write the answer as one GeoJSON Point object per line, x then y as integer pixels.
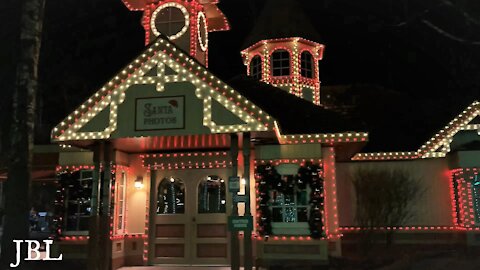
{"type": "Point", "coordinates": [269, 180]}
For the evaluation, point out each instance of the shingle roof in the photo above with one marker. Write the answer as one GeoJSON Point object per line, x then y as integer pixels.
{"type": "Point", "coordinates": [282, 19]}
{"type": "Point", "coordinates": [294, 115]}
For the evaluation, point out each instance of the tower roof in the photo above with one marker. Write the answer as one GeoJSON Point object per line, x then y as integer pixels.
{"type": "Point", "coordinates": [282, 19]}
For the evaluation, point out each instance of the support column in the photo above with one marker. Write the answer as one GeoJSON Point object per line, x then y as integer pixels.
{"type": "Point", "coordinates": [105, 206]}
{"type": "Point", "coordinates": [234, 242]}
{"type": "Point", "coordinates": [151, 217]}
{"type": "Point", "coordinates": [248, 253]}
{"type": "Point", "coordinates": [94, 220]}
{"type": "Point", "coordinates": [331, 210]}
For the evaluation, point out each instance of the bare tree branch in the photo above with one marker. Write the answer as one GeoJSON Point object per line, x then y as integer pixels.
{"type": "Point", "coordinates": [467, 16]}
{"type": "Point", "coordinates": [448, 35]}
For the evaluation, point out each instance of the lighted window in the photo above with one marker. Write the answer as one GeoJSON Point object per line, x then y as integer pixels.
{"type": "Point", "coordinates": [256, 67]}
{"type": "Point", "coordinates": [169, 20]}
{"type": "Point", "coordinates": [307, 67]}
{"type": "Point", "coordinates": [211, 195]}
{"type": "Point", "coordinates": [281, 63]}
{"type": "Point", "coordinates": [171, 197]}
{"type": "Point", "coordinates": [290, 203]}
{"type": "Point", "coordinates": [120, 192]}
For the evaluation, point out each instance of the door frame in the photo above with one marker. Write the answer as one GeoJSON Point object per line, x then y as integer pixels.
{"type": "Point", "coordinates": [190, 219]}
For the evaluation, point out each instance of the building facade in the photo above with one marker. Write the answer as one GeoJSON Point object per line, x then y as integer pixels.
{"type": "Point", "coordinates": [147, 161]}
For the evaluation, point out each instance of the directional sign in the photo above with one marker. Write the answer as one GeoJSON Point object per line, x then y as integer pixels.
{"type": "Point", "coordinates": [236, 224]}
{"type": "Point", "coordinates": [234, 184]}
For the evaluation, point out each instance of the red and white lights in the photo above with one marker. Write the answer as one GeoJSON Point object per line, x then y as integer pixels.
{"type": "Point", "coordinates": [295, 46]}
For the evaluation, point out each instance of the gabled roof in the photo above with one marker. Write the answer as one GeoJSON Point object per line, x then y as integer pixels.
{"type": "Point", "coordinates": [437, 145]}
{"type": "Point", "coordinates": [281, 19]}
{"type": "Point", "coordinates": [159, 54]}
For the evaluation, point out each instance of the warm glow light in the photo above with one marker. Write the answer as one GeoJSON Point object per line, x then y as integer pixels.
{"type": "Point", "coordinates": [170, 5]}
{"type": "Point", "coordinates": [295, 46]}
{"type": "Point", "coordinates": [162, 53]}
{"type": "Point", "coordinates": [139, 182]}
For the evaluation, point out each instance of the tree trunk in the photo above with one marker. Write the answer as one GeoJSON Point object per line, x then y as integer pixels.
{"type": "Point", "coordinates": [19, 170]}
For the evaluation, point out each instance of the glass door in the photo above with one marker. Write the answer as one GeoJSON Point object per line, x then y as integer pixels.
{"type": "Point", "coordinates": [191, 218]}
{"type": "Point", "coordinates": [210, 240]}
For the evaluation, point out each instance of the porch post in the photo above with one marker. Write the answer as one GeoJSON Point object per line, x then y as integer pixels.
{"type": "Point", "coordinates": [94, 221]}
{"type": "Point", "coordinates": [151, 217]}
{"type": "Point", "coordinates": [105, 205]}
{"type": "Point", "coordinates": [248, 254]}
{"type": "Point", "coordinates": [235, 246]}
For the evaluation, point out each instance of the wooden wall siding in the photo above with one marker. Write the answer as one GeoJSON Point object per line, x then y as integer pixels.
{"type": "Point", "coordinates": [170, 250]}
{"type": "Point", "coordinates": [212, 250]}
{"type": "Point", "coordinates": [211, 230]}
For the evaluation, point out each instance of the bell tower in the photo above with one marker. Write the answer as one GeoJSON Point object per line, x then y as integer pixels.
{"type": "Point", "coordinates": [184, 22]}
{"type": "Point", "coordinates": [283, 50]}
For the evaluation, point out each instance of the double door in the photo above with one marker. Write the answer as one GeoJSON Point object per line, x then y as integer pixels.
{"type": "Point", "coordinates": [191, 218]}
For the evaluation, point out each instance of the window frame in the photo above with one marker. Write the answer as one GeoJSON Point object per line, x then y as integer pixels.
{"type": "Point", "coordinates": [297, 228]}
{"type": "Point", "coordinates": [182, 184]}
{"type": "Point", "coordinates": [120, 215]}
{"type": "Point", "coordinates": [296, 205]}
{"type": "Point", "coordinates": [170, 21]}
{"type": "Point", "coordinates": [307, 65]}
{"type": "Point", "coordinates": [280, 60]}
{"type": "Point", "coordinates": [223, 194]}
{"type": "Point", "coordinates": [258, 66]}
{"type": "Point", "coordinates": [76, 231]}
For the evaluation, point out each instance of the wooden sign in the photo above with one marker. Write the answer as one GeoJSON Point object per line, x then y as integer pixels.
{"type": "Point", "coordinates": [160, 113]}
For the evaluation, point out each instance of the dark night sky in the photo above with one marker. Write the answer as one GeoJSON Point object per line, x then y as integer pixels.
{"type": "Point", "coordinates": [420, 52]}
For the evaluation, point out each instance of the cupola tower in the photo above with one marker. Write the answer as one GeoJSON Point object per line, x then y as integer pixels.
{"type": "Point", "coordinates": [283, 50]}
{"type": "Point", "coordinates": [185, 22]}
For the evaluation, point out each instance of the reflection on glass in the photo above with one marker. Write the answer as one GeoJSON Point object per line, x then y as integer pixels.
{"type": "Point", "coordinates": [211, 195]}
{"type": "Point", "coordinates": [302, 214]}
{"type": "Point", "coordinates": [277, 215]}
{"type": "Point", "coordinates": [289, 203]}
{"type": "Point", "coordinates": [171, 197]}
{"type": "Point", "coordinates": [78, 191]}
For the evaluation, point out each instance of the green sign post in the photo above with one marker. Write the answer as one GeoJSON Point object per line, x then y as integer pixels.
{"type": "Point", "coordinates": [234, 184]}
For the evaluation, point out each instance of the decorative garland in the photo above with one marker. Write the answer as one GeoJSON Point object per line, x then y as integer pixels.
{"type": "Point", "coordinates": [269, 179]}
